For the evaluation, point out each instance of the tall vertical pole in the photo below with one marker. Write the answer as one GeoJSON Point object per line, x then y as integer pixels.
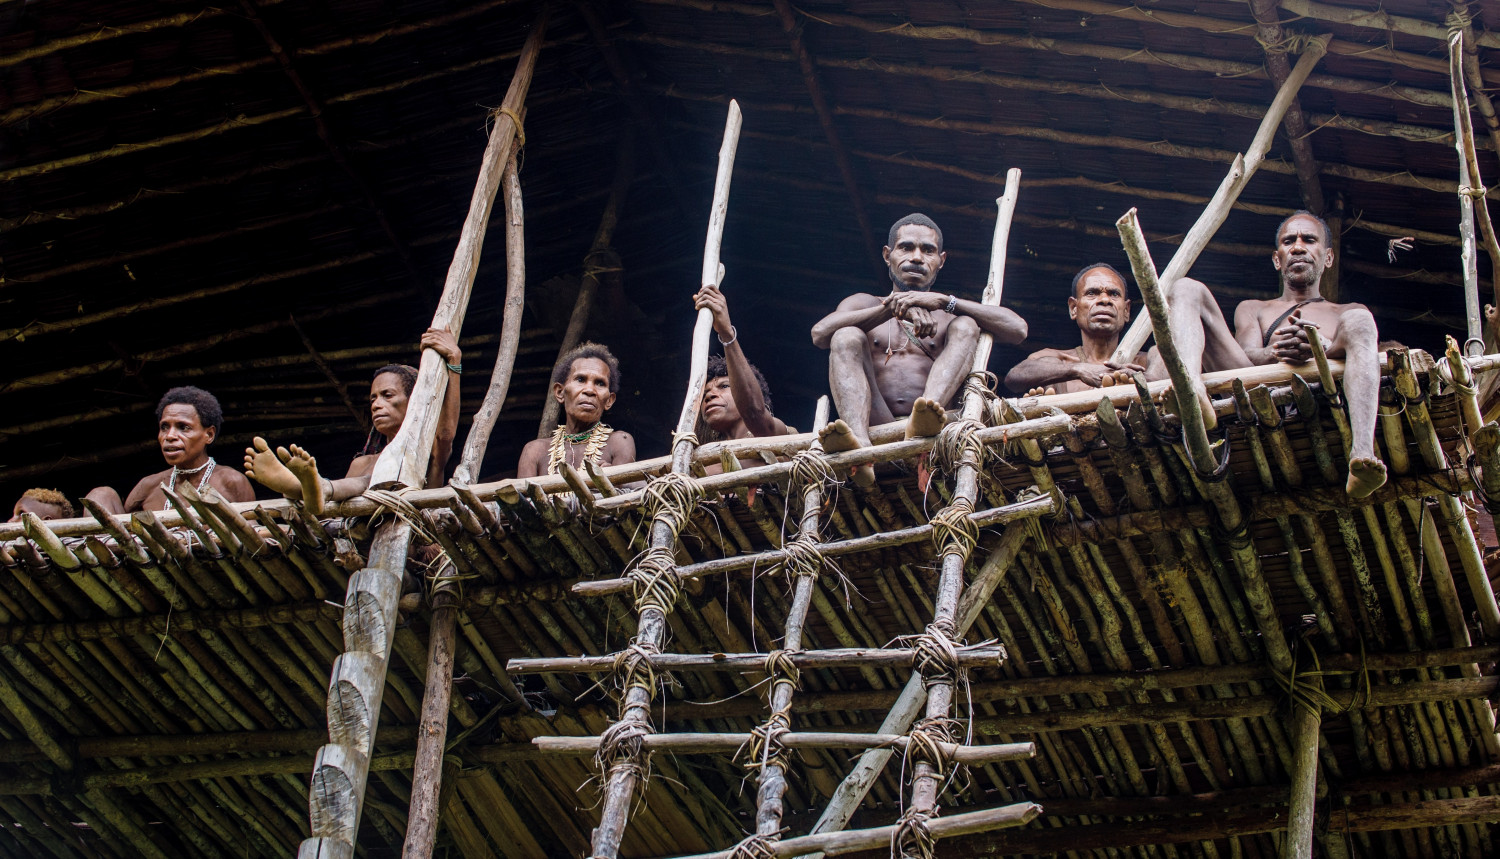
{"type": "Point", "coordinates": [357, 682]}
{"type": "Point", "coordinates": [654, 572]}
{"type": "Point", "coordinates": [1299, 825]}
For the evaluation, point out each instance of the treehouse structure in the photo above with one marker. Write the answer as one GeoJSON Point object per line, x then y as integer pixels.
{"type": "Point", "coordinates": [1072, 624]}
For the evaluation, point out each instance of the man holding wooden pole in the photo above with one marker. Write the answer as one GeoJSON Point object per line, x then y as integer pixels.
{"type": "Point", "coordinates": [907, 353]}
{"type": "Point", "coordinates": [1269, 331]}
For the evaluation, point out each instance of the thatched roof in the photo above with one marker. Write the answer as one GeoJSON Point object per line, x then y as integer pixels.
{"type": "Point", "coordinates": [160, 154]}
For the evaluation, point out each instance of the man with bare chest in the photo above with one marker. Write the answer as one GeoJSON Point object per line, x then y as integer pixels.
{"type": "Point", "coordinates": [188, 420]}
{"type": "Point", "coordinates": [1269, 331]}
{"type": "Point", "coordinates": [904, 354]}
{"type": "Point", "coordinates": [1101, 307]}
{"type": "Point", "coordinates": [585, 382]}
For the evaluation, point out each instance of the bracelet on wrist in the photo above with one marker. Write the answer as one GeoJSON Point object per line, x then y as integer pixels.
{"type": "Point", "coordinates": [734, 334]}
{"type": "Point", "coordinates": [952, 304]}
{"type": "Point", "coordinates": [454, 368]}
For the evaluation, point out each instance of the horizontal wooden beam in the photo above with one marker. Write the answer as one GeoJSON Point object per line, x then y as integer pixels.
{"type": "Point", "coordinates": [895, 657]}
{"type": "Point", "coordinates": [728, 743]}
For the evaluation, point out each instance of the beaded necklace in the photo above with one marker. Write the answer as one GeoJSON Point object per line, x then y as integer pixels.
{"type": "Point", "coordinates": [208, 470]}
{"type": "Point", "coordinates": [593, 440]}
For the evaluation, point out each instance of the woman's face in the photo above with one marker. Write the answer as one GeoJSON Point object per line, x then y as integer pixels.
{"type": "Point", "coordinates": [387, 404]}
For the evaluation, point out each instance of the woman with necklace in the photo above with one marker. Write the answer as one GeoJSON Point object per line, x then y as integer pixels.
{"type": "Point", "coordinates": [187, 422]}
{"type": "Point", "coordinates": [585, 382]}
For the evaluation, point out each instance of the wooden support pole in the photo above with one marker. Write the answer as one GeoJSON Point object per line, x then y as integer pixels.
{"type": "Point", "coordinates": [1029, 509]}
{"type": "Point", "coordinates": [837, 843]}
{"type": "Point", "coordinates": [316, 109]}
{"type": "Point", "coordinates": [1240, 173]}
{"type": "Point", "coordinates": [805, 64]}
{"type": "Point", "coordinates": [1299, 826]}
{"type": "Point", "coordinates": [624, 771]}
{"type": "Point", "coordinates": [721, 743]}
{"type": "Point", "coordinates": [336, 794]}
{"type": "Point", "coordinates": [588, 284]}
{"type": "Point", "coordinates": [977, 657]}
{"type": "Point", "coordinates": [772, 782]}
{"type": "Point", "coordinates": [478, 439]}
{"type": "Point", "coordinates": [432, 736]}
{"type": "Point", "coordinates": [1471, 187]}
{"type": "Point", "coordinates": [1275, 43]}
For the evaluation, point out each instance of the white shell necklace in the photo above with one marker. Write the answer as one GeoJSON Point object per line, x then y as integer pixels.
{"type": "Point", "coordinates": [207, 468]}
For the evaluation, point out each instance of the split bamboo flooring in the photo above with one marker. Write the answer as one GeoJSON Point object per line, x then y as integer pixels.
{"type": "Point", "coordinates": [163, 681]}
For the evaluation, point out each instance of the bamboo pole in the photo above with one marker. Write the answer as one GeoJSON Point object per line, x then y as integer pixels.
{"type": "Point", "coordinates": [510, 331]}
{"type": "Point", "coordinates": [624, 764]}
{"type": "Point", "coordinates": [336, 797]}
{"type": "Point", "coordinates": [1240, 173]}
{"type": "Point", "coordinates": [588, 283]}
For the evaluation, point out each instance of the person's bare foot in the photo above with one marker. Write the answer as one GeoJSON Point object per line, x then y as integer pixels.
{"type": "Point", "coordinates": [1366, 474]}
{"type": "Point", "coordinates": [837, 437]}
{"type": "Point", "coordinates": [262, 466]}
{"type": "Point", "coordinates": [926, 419]}
{"type": "Point", "coordinates": [1205, 405]}
{"type": "Point", "coordinates": [302, 464]}
{"type": "Point", "coordinates": [1041, 392]}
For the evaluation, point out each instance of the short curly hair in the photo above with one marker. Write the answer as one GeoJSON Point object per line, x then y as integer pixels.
{"type": "Point", "coordinates": [1096, 266]}
{"type": "Point", "coordinates": [718, 368]}
{"type": "Point", "coordinates": [597, 351]}
{"type": "Point", "coordinates": [52, 497]}
{"type": "Point", "coordinates": [916, 219]}
{"type": "Point", "coordinates": [206, 404]}
{"type": "Point", "coordinates": [405, 372]}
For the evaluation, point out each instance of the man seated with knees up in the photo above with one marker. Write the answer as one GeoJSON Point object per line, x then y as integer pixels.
{"type": "Point", "coordinates": [736, 398]}
{"type": "Point", "coordinates": [907, 353]}
{"type": "Point", "coordinates": [1269, 331]}
{"type": "Point", "coordinates": [585, 382]}
{"type": "Point", "coordinates": [1101, 308]}
{"type": "Point", "coordinates": [45, 503]}
{"type": "Point", "coordinates": [294, 472]}
{"type": "Point", "coordinates": [187, 422]}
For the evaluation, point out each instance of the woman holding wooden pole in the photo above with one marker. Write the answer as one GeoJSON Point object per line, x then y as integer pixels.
{"type": "Point", "coordinates": [293, 471]}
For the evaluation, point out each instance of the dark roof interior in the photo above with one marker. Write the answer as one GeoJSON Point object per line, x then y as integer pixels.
{"type": "Point", "coordinates": [158, 152]}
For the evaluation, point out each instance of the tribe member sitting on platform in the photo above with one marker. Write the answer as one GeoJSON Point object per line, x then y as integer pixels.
{"type": "Point", "coordinates": [736, 398]}
{"type": "Point", "coordinates": [187, 422]}
{"type": "Point", "coordinates": [585, 381]}
{"type": "Point", "coordinates": [45, 503]}
{"type": "Point", "coordinates": [294, 472]}
{"type": "Point", "coordinates": [1101, 307]}
{"type": "Point", "coordinates": [1269, 331]}
{"type": "Point", "coordinates": [907, 353]}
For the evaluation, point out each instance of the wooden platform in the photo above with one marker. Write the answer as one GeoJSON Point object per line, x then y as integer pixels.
{"type": "Point", "coordinates": [149, 684]}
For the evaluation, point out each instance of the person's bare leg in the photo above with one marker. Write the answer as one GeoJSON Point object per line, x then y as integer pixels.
{"type": "Point", "coordinates": [944, 379]}
{"type": "Point", "coordinates": [1203, 339]}
{"type": "Point", "coordinates": [108, 499]}
{"type": "Point", "coordinates": [1357, 343]}
{"type": "Point", "coordinates": [851, 377]}
{"type": "Point", "coordinates": [311, 484]}
{"type": "Point", "coordinates": [262, 466]}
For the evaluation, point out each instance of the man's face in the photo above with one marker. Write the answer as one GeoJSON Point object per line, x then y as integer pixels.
{"type": "Point", "coordinates": [1100, 307]}
{"type": "Point", "coordinates": [585, 397]}
{"type": "Point", "coordinates": [183, 439]}
{"type": "Point", "coordinates": [915, 260]}
{"type": "Point", "coordinates": [387, 404]}
{"type": "Point", "coordinates": [1301, 252]}
{"type": "Point", "coordinates": [719, 410]}
{"type": "Point", "coordinates": [42, 509]}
